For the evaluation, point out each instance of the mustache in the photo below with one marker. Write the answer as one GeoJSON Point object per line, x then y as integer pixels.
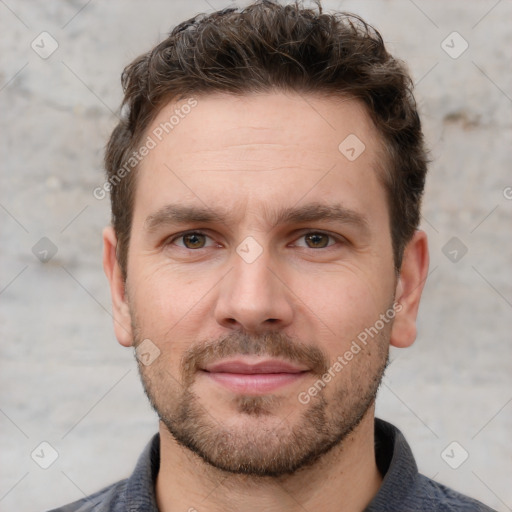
{"type": "Point", "coordinates": [272, 343]}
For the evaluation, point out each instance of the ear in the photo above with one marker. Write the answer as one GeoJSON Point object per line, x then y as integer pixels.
{"type": "Point", "coordinates": [413, 274]}
{"type": "Point", "coordinates": [120, 309]}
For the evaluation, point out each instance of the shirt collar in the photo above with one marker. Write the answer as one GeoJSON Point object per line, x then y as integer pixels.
{"type": "Point", "coordinates": [397, 465]}
{"type": "Point", "coordinates": [140, 488]}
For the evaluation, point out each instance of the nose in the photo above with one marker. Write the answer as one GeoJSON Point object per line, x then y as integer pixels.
{"type": "Point", "coordinates": [254, 297]}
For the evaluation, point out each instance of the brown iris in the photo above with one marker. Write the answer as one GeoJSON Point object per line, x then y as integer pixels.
{"type": "Point", "coordinates": [194, 241]}
{"type": "Point", "coordinates": [317, 240]}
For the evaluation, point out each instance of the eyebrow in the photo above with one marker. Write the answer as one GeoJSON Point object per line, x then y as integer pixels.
{"type": "Point", "coordinates": [180, 214]}
{"type": "Point", "coordinates": [312, 212]}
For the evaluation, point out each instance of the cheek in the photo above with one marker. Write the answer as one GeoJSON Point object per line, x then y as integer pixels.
{"type": "Point", "coordinates": [344, 302]}
{"type": "Point", "coordinates": [169, 306]}
{"type": "Point", "coordinates": [158, 292]}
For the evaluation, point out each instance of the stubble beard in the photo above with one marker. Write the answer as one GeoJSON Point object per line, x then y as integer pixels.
{"type": "Point", "coordinates": [262, 444]}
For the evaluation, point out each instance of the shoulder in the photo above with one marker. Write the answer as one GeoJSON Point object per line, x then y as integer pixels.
{"type": "Point", "coordinates": [133, 493]}
{"type": "Point", "coordinates": [433, 496]}
{"type": "Point", "coordinates": [108, 499]}
{"type": "Point", "coordinates": [403, 487]}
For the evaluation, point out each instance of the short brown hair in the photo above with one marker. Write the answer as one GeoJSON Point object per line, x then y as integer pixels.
{"type": "Point", "coordinates": [263, 47]}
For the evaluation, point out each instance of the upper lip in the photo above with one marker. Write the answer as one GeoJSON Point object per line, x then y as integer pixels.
{"type": "Point", "coordinates": [265, 366]}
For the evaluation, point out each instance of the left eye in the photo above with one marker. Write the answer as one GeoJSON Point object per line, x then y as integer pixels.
{"type": "Point", "coordinates": [316, 240]}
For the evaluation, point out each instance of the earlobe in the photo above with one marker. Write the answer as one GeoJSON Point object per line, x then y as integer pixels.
{"type": "Point", "coordinates": [120, 308]}
{"type": "Point", "coordinates": [413, 274]}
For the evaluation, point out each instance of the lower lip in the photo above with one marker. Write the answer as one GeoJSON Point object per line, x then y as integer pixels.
{"type": "Point", "coordinates": [256, 383]}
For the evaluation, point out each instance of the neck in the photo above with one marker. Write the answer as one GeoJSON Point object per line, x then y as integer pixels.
{"type": "Point", "coordinates": [343, 480]}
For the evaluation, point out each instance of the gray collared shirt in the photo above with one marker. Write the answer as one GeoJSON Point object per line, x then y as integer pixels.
{"type": "Point", "coordinates": [403, 489]}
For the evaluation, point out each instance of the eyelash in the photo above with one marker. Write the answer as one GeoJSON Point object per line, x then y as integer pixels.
{"type": "Point", "coordinates": [337, 239]}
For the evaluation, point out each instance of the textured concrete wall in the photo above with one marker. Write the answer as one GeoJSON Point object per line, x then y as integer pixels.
{"type": "Point", "coordinates": [64, 378]}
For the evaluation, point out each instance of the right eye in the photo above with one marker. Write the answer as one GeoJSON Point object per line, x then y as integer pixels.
{"type": "Point", "coordinates": [192, 240]}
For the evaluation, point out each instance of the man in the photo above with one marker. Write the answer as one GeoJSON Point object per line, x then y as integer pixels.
{"type": "Point", "coordinates": [266, 180]}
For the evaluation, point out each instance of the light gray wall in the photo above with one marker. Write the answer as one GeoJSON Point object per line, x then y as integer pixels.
{"type": "Point", "coordinates": [64, 378]}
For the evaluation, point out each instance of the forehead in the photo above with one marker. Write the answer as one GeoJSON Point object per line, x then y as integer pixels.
{"type": "Point", "coordinates": [256, 151]}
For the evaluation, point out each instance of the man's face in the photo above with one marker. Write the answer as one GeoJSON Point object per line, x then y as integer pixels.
{"type": "Point", "coordinates": [256, 241]}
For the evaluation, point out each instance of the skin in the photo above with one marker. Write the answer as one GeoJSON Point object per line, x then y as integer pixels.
{"type": "Point", "coordinates": [247, 158]}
